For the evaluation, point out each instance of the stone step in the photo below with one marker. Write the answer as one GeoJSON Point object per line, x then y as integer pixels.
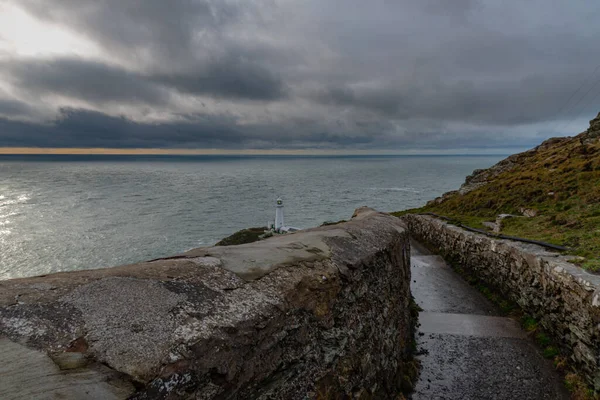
{"type": "Point", "coordinates": [428, 261]}
{"type": "Point", "coordinates": [469, 325]}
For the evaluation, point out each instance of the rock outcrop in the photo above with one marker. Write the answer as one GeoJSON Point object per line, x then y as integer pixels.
{"type": "Point", "coordinates": [563, 297]}
{"type": "Point", "coordinates": [322, 313]}
{"type": "Point", "coordinates": [481, 177]}
{"type": "Point", "coordinates": [592, 134]}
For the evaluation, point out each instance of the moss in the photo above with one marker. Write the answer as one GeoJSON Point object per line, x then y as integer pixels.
{"type": "Point", "coordinates": [409, 379]}
{"type": "Point", "coordinates": [528, 323]}
{"type": "Point", "coordinates": [542, 339]}
{"type": "Point", "coordinates": [551, 352]}
{"type": "Point", "coordinates": [412, 365]}
{"type": "Point", "coordinates": [409, 211]}
{"type": "Point", "coordinates": [244, 236]}
{"type": "Point", "coordinates": [414, 308]}
{"type": "Point", "coordinates": [407, 384]}
{"type": "Point", "coordinates": [561, 363]}
{"type": "Point", "coordinates": [327, 223]}
{"type": "Point", "coordinates": [579, 390]}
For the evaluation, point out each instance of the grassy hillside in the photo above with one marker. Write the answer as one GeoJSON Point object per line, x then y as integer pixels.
{"type": "Point", "coordinates": [558, 181]}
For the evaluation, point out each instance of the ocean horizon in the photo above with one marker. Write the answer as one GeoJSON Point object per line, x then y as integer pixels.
{"type": "Point", "coordinates": [71, 212]}
{"type": "Point", "coordinates": [201, 157]}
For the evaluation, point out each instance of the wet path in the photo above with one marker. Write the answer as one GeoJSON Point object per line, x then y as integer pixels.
{"type": "Point", "coordinates": [470, 351]}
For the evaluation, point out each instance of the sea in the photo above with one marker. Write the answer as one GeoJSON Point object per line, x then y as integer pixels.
{"type": "Point", "coordinates": [65, 212]}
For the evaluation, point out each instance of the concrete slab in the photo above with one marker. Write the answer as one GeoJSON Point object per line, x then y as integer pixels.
{"type": "Point", "coordinates": [460, 367]}
{"type": "Point", "coordinates": [255, 260]}
{"type": "Point", "coordinates": [30, 374]}
{"type": "Point", "coordinates": [469, 325]}
{"type": "Point", "coordinates": [469, 351]}
{"type": "Point", "coordinates": [437, 288]}
{"type": "Point", "coordinates": [440, 289]}
{"type": "Point", "coordinates": [428, 261]}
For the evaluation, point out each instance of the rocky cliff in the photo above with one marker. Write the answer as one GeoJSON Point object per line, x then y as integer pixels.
{"type": "Point", "coordinates": [552, 146]}
{"type": "Point", "coordinates": [322, 313]}
{"type": "Point", "coordinates": [550, 193]}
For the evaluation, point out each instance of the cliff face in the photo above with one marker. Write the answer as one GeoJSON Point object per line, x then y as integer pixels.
{"type": "Point", "coordinates": [320, 313]}
{"type": "Point", "coordinates": [593, 131]}
{"type": "Point", "coordinates": [516, 162]}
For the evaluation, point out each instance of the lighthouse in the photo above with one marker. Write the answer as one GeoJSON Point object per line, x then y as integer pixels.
{"type": "Point", "coordinates": [279, 215]}
{"type": "Point", "coordinates": [279, 223]}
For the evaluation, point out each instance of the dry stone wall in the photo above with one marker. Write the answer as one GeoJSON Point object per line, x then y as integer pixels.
{"type": "Point", "coordinates": [559, 294]}
{"type": "Point", "coordinates": [322, 313]}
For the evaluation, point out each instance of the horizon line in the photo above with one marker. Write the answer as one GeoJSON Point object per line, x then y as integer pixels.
{"type": "Point", "coordinates": [183, 152]}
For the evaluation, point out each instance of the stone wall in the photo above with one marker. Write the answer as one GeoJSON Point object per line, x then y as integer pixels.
{"type": "Point", "coordinates": [562, 296]}
{"type": "Point", "coordinates": [322, 313]}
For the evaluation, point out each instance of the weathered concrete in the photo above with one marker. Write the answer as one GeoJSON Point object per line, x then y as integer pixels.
{"type": "Point", "coordinates": [30, 374]}
{"type": "Point", "coordinates": [470, 325]}
{"type": "Point", "coordinates": [562, 296]}
{"type": "Point", "coordinates": [469, 352]}
{"type": "Point", "coordinates": [320, 313]}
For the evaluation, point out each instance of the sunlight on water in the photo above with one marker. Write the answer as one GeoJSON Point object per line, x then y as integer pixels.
{"type": "Point", "coordinates": [10, 214]}
{"type": "Point", "coordinates": [73, 214]}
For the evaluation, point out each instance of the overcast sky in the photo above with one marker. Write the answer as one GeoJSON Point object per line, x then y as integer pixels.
{"type": "Point", "coordinates": [280, 74]}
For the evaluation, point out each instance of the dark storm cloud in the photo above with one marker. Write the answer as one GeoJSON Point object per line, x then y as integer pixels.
{"type": "Point", "coordinates": [9, 107]}
{"type": "Point", "coordinates": [98, 83]}
{"type": "Point", "coordinates": [230, 77]}
{"type": "Point", "coordinates": [501, 102]}
{"type": "Point", "coordinates": [345, 73]}
{"type": "Point", "coordinates": [81, 79]}
{"type": "Point", "coordinates": [84, 128]}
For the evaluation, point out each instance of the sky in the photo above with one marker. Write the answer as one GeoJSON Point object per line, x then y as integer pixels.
{"type": "Point", "coordinates": [338, 75]}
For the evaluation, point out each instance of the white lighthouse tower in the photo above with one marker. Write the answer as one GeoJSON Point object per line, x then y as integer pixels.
{"type": "Point", "coordinates": [279, 215]}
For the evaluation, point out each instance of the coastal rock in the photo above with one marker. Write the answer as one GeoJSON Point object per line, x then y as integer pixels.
{"type": "Point", "coordinates": [594, 129]}
{"type": "Point", "coordinates": [321, 313]}
{"type": "Point", "coordinates": [592, 134]}
{"type": "Point", "coordinates": [491, 225]}
{"type": "Point", "coordinates": [528, 212]}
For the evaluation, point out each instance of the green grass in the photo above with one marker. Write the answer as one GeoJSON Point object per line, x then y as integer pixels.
{"type": "Point", "coordinates": [242, 237]}
{"type": "Point", "coordinates": [561, 181]}
{"type": "Point", "coordinates": [528, 323]}
{"type": "Point", "coordinates": [550, 352]}
{"type": "Point", "coordinates": [543, 340]}
{"type": "Point", "coordinates": [579, 389]}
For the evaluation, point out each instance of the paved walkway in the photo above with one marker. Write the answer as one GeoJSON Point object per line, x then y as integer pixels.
{"type": "Point", "coordinates": [470, 352]}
